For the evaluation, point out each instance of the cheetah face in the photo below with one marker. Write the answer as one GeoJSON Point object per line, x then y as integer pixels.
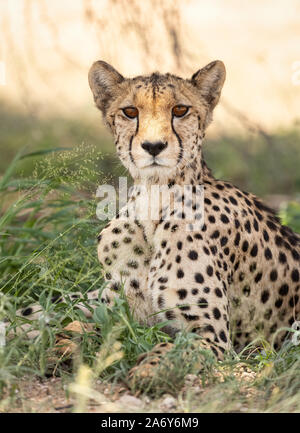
{"type": "Point", "coordinates": [158, 121]}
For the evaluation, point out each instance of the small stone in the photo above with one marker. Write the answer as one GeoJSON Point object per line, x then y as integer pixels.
{"type": "Point", "coordinates": [244, 409]}
{"type": "Point", "coordinates": [130, 400]}
{"type": "Point", "coordinates": [147, 400]}
{"type": "Point", "coordinates": [169, 403]}
{"type": "Point", "coordinates": [190, 379]}
{"type": "Point", "coordinates": [197, 390]}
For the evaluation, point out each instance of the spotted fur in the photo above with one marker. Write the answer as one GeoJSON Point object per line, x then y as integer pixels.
{"type": "Point", "coordinates": [234, 279]}
{"type": "Point", "coordinates": [237, 277]}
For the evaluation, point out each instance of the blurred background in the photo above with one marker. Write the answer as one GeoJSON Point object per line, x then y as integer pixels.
{"type": "Point", "coordinates": [47, 47]}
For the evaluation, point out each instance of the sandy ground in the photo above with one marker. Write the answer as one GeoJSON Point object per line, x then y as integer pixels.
{"type": "Point", "coordinates": [35, 395]}
{"type": "Point", "coordinates": [52, 396]}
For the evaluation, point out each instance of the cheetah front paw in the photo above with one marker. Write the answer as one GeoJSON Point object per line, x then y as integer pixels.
{"type": "Point", "coordinates": [68, 342]}
{"type": "Point", "coordinates": [149, 363]}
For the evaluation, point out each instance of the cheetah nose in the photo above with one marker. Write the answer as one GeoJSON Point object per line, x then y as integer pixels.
{"type": "Point", "coordinates": [154, 148]}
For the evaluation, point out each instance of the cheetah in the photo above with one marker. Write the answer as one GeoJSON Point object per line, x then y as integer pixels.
{"type": "Point", "coordinates": [230, 279]}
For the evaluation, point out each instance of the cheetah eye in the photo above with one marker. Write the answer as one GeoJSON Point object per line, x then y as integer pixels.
{"type": "Point", "coordinates": [180, 110]}
{"type": "Point", "coordinates": [130, 112]}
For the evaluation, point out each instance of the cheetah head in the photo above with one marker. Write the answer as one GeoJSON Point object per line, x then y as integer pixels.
{"type": "Point", "coordinates": [158, 121]}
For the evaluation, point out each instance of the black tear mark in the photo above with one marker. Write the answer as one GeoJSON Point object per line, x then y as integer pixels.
{"type": "Point", "coordinates": [130, 149]}
{"type": "Point", "coordinates": [137, 125]}
{"type": "Point", "coordinates": [179, 141]}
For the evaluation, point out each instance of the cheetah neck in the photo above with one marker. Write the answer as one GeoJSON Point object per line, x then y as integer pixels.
{"type": "Point", "coordinates": [150, 212]}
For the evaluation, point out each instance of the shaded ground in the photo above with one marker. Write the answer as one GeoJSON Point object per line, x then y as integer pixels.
{"type": "Point", "coordinates": [52, 396]}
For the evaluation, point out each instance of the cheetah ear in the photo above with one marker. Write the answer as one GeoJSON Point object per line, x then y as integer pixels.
{"type": "Point", "coordinates": [103, 80]}
{"type": "Point", "coordinates": [209, 81]}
